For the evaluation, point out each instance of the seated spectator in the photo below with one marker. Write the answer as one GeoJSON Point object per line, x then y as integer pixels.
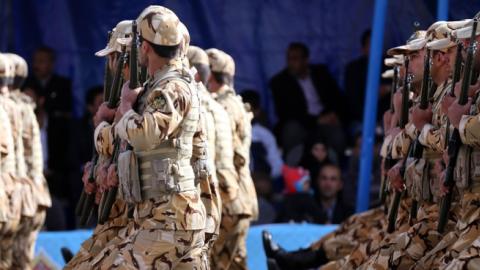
{"type": "Point", "coordinates": [329, 185]}
{"type": "Point", "coordinates": [265, 197]}
{"type": "Point", "coordinates": [316, 154]}
{"type": "Point", "coordinates": [57, 91]}
{"type": "Point", "coordinates": [265, 154]}
{"type": "Point", "coordinates": [299, 203]}
{"type": "Point", "coordinates": [305, 96]}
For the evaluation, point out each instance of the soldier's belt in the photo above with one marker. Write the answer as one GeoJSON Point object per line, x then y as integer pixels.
{"type": "Point", "coordinates": [428, 154]}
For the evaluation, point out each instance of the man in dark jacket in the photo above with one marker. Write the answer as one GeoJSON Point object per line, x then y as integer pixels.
{"type": "Point", "coordinates": [305, 96]}
{"type": "Point", "coordinates": [57, 91]}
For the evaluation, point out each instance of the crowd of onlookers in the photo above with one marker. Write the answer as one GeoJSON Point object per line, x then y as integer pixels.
{"type": "Point", "coordinates": [304, 166]}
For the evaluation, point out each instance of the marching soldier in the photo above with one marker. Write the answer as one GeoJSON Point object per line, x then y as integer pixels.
{"type": "Point", "coordinates": [116, 227]}
{"type": "Point", "coordinates": [230, 253]}
{"type": "Point", "coordinates": [32, 169]}
{"type": "Point", "coordinates": [11, 184]}
{"type": "Point", "coordinates": [228, 180]}
{"type": "Point", "coordinates": [159, 122]}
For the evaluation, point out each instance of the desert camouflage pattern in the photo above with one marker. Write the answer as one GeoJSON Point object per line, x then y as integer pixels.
{"type": "Point", "coordinates": [160, 26]}
{"type": "Point", "coordinates": [203, 163]}
{"type": "Point", "coordinates": [168, 229]}
{"type": "Point", "coordinates": [13, 184]}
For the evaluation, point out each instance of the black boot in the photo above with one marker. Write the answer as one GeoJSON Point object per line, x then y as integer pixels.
{"type": "Point", "coordinates": [66, 254]}
{"type": "Point", "coordinates": [299, 259]}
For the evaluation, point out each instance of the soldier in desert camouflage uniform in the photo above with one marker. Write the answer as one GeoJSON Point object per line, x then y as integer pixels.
{"type": "Point", "coordinates": [115, 228]}
{"type": "Point", "coordinates": [12, 186]}
{"type": "Point", "coordinates": [230, 252]}
{"type": "Point", "coordinates": [464, 252]}
{"type": "Point", "coordinates": [157, 175]}
{"type": "Point", "coordinates": [228, 179]}
{"type": "Point", "coordinates": [32, 168]}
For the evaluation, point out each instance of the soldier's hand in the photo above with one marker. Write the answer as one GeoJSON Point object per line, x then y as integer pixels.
{"type": "Point", "coordinates": [129, 96]}
{"type": "Point", "coordinates": [112, 178]}
{"type": "Point", "coordinates": [104, 113]}
{"type": "Point", "coordinates": [443, 189]}
{"type": "Point", "coordinates": [89, 187]}
{"type": "Point", "coordinates": [397, 101]}
{"type": "Point", "coordinates": [421, 117]}
{"type": "Point", "coordinates": [395, 178]}
{"type": "Point", "coordinates": [98, 197]}
{"type": "Point", "coordinates": [102, 174]}
{"type": "Point", "coordinates": [456, 111]}
{"type": "Point", "coordinates": [446, 103]}
{"type": "Point", "coordinates": [394, 131]}
{"type": "Point", "coordinates": [387, 120]}
{"type": "Point", "coordinates": [471, 90]}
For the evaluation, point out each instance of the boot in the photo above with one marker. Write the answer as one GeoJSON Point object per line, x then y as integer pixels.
{"type": "Point", "coordinates": [299, 259]}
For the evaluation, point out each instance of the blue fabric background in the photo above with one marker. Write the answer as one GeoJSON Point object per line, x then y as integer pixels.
{"type": "Point", "coordinates": [254, 32]}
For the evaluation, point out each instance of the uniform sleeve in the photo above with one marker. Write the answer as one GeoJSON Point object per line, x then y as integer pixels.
{"type": "Point", "coordinates": [400, 144]}
{"type": "Point", "coordinates": [164, 111]}
{"type": "Point", "coordinates": [103, 138]}
{"type": "Point", "coordinates": [385, 146]}
{"type": "Point", "coordinates": [469, 129]}
{"type": "Point", "coordinates": [433, 137]}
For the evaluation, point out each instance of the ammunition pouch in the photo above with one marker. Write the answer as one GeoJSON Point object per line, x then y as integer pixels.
{"type": "Point", "coordinates": [201, 170]}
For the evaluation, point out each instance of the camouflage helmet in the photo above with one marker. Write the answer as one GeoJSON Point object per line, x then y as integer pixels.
{"type": "Point", "coordinates": [20, 65]}
{"type": "Point", "coordinates": [160, 26]}
{"type": "Point", "coordinates": [416, 42]}
{"type": "Point", "coordinates": [221, 62]}
{"type": "Point", "coordinates": [185, 44]}
{"type": "Point", "coordinates": [197, 55]}
{"type": "Point", "coordinates": [122, 30]}
{"type": "Point", "coordinates": [7, 70]}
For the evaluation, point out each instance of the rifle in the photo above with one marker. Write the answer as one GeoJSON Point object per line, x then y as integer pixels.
{"type": "Point", "coordinates": [389, 160]}
{"type": "Point", "coordinates": [417, 148]}
{"type": "Point", "coordinates": [455, 141]}
{"type": "Point", "coordinates": [113, 100]}
{"type": "Point", "coordinates": [392, 215]}
{"type": "Point", "coordinates": [133, 84]}
{"type": "Point", "coordinates": [107, 79]}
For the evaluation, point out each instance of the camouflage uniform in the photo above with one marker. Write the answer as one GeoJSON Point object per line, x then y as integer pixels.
{"type": "Point", "coordinates": [423, 183]}
{"type": "Point", "coordinates": [464, 252]}
{"type": "Point", "coordinates": [14, 185]}
{"type": "Point", "coordinates": [169, 216]}
{"type": "Point", "coordinates": [117, 227]}
{"type": "Point", "coordinates": [230, 252]}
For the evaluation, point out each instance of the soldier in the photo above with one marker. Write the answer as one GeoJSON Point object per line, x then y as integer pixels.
{"type": "Point", "coordinates": [12, 187]}
{"type": "Point", "coordinates": [116, 227]}
{"type": "Point", "coordinates": [168, 213]}
{"type": "Point", "coordinates": [32, 168]}
{"type": "Point", "coordinates": [203, 157]}
{"type": "Point", "coordinates": [231, 252]}
{"type": "Point", "coordinates": [223, 154]}
{"type": "Point", "coordinates": [463, 253]}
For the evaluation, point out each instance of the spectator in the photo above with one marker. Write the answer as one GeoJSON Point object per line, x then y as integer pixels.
{"type": "Point", "coordinates": [263, 186]}
{"type": "Point", "coordinates": [329, 185]}
{"type": "Point", "coordinates": [299, 203]}
{"type": "Point", "coordinates": [265, 154]}
{"type": "Point", "coordinates": [355, 83]}
{"type": "Point", "coordinates": [58, 107]}
{"type": "Point", "coordinates": [55, 219]}
{"type": "Point", "coordinates": [353, 167]}
{"type": "Point", "coordinates": [305, 95]}
{"type": "Point", "coordinates": [316, 154]}
{"type": "Point", "coordinates": [82, 147]}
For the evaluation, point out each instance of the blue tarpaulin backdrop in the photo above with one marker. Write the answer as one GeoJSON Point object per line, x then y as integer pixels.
{"type": "Point", "coordinates": [254, 32]}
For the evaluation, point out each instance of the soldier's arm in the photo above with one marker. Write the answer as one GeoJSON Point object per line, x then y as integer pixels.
{"type": "Point", "coordinates": [402, 140]}
{"type": "Point", "coordinates": [469, 129]}
{"type": "Point", "coordinates": [165, 109]}
{"type": "Point", "coordinates": [103, 138]}
{"type": "Point", "coordinates": [433, 137]}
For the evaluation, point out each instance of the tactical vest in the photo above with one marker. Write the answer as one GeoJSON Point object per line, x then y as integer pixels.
{"type": "Point", "coordinates": [165, 169]}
